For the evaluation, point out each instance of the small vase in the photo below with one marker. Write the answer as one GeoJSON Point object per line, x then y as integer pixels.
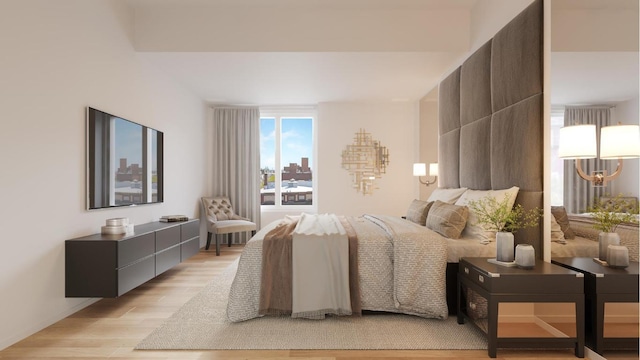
{"type": "Point", "coordinates": [504, 246]}
{"type": "Point", "coordinates": [617, 256]}
{"type": "Point", "coordinates": [525, 256]}
{"type": "Point", "coordinates": [604, 240]}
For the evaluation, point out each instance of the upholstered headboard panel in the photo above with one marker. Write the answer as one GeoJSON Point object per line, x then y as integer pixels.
{"type": "Point", "coordinates": [490, 117]}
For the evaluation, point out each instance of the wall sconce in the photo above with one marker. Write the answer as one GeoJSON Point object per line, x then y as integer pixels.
{"type": "Point", "coordinates": [420, 169]}
{"type": "Point", "coordinates": [365, 160]}
{"type": "Point", "coordinates": [616, 142]}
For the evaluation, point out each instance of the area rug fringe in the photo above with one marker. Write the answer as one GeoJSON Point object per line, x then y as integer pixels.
{"type": "Point", "coordinates": [201, 324]}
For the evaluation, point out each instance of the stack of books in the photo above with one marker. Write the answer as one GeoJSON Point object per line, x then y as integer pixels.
{"type": "Point", "coordinates": [173, 218]}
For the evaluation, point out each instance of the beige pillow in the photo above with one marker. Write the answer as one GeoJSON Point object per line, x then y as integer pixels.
{"type": "Point", "coordinates": [560, 213]}
{"type": "Point", "coordinates": [446, 219]}
{"type": "Point", "coordinates": [418, 211]}
{"type": "Point", "coordinates": [446, 195]}
{"type": "Point", "coordinates": [475, 230]}
{"type": "Point", "coordinates": [556, 232]}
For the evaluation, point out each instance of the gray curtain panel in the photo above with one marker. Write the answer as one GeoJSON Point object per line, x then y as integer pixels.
{"type": "Point", "coordinates": [236, 161]}
{"type": "Point", "coordinates": [579, 193]}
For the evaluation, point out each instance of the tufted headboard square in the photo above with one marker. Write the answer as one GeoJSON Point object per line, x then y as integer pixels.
{"type": "Point", "coordinates": [491, 118]}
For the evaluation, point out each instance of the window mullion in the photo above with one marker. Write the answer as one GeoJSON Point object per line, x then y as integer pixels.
{"type": "Point", "coordinates": [278, 172]}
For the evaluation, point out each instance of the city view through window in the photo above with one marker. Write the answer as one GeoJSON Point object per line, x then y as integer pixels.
{"type": "Point", "coordinates": [292, 183]}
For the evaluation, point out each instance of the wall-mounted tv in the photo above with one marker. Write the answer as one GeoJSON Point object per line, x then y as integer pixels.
{"type": "Point", "coordinates": [124, 162]}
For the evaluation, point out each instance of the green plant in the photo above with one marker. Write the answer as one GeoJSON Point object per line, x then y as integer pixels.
{"type": "Point", "coordinates": [498, 216]}
{"type": "Point", "coordinates": [611, 213]}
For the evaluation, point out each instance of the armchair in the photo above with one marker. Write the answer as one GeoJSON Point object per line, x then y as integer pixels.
{"type": "Point", "coordinates": [221, 220]}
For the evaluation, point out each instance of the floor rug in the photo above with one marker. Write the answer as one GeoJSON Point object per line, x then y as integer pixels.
{"type": "Point", "coordinates": [201, 324]}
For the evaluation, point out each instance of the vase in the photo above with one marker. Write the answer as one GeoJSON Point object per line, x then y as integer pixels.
{"type": "Point", "coordinates": [504, 246]}
{"type": "Point", "coordinates": [617, 256]}
{"type": "Point", "coordinates": [525, 256]}
{"type": "Point", "coordinates": [604, 240]}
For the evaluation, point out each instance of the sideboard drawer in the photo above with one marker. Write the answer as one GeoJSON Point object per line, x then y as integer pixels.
{"type": "Point", "coordinates": [167, 238]}
{"type": "Point", "coordinates": [189, 230]}
{"type": "Point", "coordinates": [136, 274]}
{"type": "Point", "coordinates": [135, 248]}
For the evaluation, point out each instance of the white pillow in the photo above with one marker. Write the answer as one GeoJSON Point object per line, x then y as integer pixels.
{"type": "Point", "coordinates": [473, 229]}
{"type": "Point", "coordinates": [446, 195]}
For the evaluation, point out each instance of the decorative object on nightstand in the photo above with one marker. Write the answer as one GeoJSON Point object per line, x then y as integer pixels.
{"type": "Point", "coordinates": [365, 160]}
{"type": "Point", "coordinates": [495, 215]}
{"type": "Point", "coordinates": [617, 256]}
{"type": "Point", "coordinates": [525, 256]}
{"type": "Point", "coordinates": [607, 216]}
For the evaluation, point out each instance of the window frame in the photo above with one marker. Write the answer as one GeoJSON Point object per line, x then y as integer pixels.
{"type": "Point", "coordinates": [287, 113]}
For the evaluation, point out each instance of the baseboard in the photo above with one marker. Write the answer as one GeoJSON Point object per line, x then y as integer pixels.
{"type": "Point", "coordinates": [21, 334]}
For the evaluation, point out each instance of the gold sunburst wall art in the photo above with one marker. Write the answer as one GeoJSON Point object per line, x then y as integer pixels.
{"type": "Point", "coordinates": [365, 160]}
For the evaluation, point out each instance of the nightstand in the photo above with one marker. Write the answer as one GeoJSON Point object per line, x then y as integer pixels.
{"type": "Point", "coordinates": [544, 283]}
{"type": "Point", "coordinates": [603, 284]}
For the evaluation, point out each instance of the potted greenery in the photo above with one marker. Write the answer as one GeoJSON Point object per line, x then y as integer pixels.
{"type": "Point", "coordinates": [505, 220]}
{"type": "Point", "coordinates": [607, 215]}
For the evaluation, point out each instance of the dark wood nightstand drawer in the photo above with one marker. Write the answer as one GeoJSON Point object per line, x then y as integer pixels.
{"type": "Point", "coordinates": [480, 278]}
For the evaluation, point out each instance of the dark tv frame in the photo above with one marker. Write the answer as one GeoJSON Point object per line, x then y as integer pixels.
{"type": "Point", "coordinates": [98, 138]}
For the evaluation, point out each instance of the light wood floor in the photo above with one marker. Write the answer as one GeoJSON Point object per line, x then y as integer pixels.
{"type": "Point", "coordinates": [111, 328]}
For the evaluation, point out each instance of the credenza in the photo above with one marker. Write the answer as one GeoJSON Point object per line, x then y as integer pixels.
{"type": "Point", "coordinates": [102, 265]}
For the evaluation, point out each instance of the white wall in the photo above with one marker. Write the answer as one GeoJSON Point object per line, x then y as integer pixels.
{"type": "Point", "coordinates": [394, 124]}
{"type": "Point", "coordinates": [57, 58]}
{"type": "Point", "coordinates": [428, 138]}
{"type": "Point", "coordinates": [628, 184]}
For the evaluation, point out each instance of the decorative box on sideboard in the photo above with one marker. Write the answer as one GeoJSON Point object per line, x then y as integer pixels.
{"type": "Point", "coordinates": [102, 265]}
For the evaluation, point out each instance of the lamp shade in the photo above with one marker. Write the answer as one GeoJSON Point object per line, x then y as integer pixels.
{"type": "Point", "coordinates": [433, 169]}
{"type": "Point", "coordinates": [578, 142]}
{"type": "Point", "coordinates": [419, 169]}
{"type": "Point", "coordinates": [620, 141]}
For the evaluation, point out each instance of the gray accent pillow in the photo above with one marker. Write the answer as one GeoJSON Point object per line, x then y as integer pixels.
{"type": "Point", "coordinates": [446, 219]}
{"type": "Point", "coordinates": [560, 213]}
{"type": "Point", "coordinates": [418, 211]}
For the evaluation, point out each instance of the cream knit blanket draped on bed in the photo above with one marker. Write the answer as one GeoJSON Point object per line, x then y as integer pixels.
{"type": "Point", "coordinates": [320, 262]}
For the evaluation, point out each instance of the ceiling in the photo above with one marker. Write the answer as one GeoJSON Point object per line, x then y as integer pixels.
{"type": "Point", "coordinates": [263, 62]}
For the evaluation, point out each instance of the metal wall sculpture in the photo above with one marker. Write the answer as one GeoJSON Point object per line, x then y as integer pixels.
{"type": "Point", "coordinates": [365, 160]}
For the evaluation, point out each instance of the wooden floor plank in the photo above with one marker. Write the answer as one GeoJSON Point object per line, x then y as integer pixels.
{"type": "Point", "coordinates": [111, 328]}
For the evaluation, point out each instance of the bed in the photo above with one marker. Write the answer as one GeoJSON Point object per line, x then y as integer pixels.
{"type": "Point", "coordinates": [576, 237]}
{"type": "Point", "coordinates": [402, 268]}
{"type": "Point", "coordinates": [490, 138]}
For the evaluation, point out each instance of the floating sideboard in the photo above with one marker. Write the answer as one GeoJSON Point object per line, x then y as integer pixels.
{"type": "Point", "coordinates": [101, 265]}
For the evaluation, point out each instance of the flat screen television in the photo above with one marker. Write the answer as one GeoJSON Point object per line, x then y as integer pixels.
{"type": "Point", "coordinates": [124, 162]}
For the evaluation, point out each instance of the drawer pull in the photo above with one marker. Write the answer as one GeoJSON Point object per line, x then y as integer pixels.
{"type": "Point", "coordinates": [481, 278]}
{"type": "Point", "coordinates": [466, 270]}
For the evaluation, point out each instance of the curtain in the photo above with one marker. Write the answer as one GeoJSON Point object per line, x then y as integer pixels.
{"type": "Point", "coordinates": [579, 193]}
{"type": "Point", "coordinates": [236, 161]}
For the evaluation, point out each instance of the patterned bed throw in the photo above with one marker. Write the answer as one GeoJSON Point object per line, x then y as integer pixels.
{"type": "Point", "coordinates": [401, 268]}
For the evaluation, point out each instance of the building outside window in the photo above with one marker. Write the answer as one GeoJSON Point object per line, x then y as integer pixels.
{"type": "Point", "coordinates": [287, 158]}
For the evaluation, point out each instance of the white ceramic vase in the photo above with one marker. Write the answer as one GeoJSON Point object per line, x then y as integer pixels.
{"type": "Point", "coordinates": [525, 256]}
{"type": "Point", "coordinates": [504, 246]}
{"type": "Point", "coordinates": [604, 240]}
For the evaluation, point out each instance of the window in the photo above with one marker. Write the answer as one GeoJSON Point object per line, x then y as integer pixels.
{"type": "Point", "coordinates": [287, 159]}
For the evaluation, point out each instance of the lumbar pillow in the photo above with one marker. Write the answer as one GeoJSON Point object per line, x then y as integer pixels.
{"type": "Point", "coordinates": [418, 211]}
{"type": "Point", "coordinates": [475, 230]}
{"type": "Point", "coordinates": [446, 195]}
{"type": "Point", "coordinates": [446, 219]}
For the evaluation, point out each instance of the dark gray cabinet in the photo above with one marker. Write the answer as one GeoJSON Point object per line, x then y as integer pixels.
{"type": "Point", "coordinates": [110, 265]}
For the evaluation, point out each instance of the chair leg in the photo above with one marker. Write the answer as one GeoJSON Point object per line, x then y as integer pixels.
{"type": "Point", "coordinates": [208, 241]}
{"type": "Point", "coordinates": [217, 245]}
